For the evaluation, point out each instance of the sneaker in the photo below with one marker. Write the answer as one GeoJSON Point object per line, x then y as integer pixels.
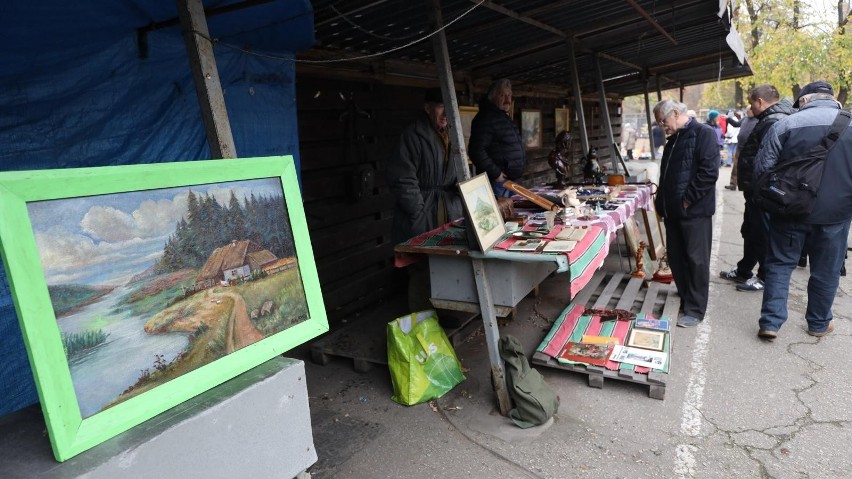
{"type": "Point", "coordinates": [734, 275]}
{"type": "Point", "coordinates": [751, 284]}
{"type": "Point", "coordinates": [820, 334]}
{"type": "Point", "coordinates": [767, 334]}
{"type": "Point", "coordinates": [731, 187]}
{"type": "Point", "coordinates": [688, 321]}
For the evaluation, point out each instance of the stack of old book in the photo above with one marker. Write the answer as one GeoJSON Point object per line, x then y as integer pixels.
{"type": "Point", "coordinates": [645, 345]}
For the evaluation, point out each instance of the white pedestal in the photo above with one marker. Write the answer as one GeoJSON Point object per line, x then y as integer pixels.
{"type": "Point", "coordinates": [255, 425]}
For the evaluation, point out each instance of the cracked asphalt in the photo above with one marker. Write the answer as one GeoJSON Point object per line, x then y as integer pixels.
{"type": "Point", "coordinates": [735, 406]}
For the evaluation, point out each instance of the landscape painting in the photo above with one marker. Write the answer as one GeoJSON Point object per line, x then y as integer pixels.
{"type": "Point", "coordinates": [483, 211]}
{"type": "Point", "coordinates": [148, 285]}
{"type": "Point", "coordinates": [139, 287]}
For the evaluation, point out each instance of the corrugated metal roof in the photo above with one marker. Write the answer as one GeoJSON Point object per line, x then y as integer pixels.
{"type": "Point", "coordinates": [679, 43]}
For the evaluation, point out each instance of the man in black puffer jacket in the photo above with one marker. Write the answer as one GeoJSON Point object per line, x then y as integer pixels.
{"type": "Point", "coordinates": [495, 145]}
{"type": "Point", "coordinates": [686, 200]}
{"type": "Point", "coordinates": [767, 108]}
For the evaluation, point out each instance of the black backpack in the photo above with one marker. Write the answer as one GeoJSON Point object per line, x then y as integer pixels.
{"type": "Point", "coordinates": [534, 400]}
{"type": "Point", "coordinates": [789, 189]}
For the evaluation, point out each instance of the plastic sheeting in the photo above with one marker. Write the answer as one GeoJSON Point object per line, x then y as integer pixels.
{"type": "Point", "coordinates": [78, 88]}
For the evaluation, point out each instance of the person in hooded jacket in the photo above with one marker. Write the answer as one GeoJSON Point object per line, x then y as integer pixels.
{"type": "Point", "coordinates": [423, 180]}
{"type": "Point", "coordinates": [686, 200]}
{"type": "Point", "coordinates": [495, 145]}
{"type": "Point", "coordinates": [826, 227]}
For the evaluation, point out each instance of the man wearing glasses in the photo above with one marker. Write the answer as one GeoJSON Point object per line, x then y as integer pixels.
{"type": "Point", "coordinates": [686, 200]}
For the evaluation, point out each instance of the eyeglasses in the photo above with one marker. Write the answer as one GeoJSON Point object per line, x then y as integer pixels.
{"type": "Point", "coordinates": [663, 121]}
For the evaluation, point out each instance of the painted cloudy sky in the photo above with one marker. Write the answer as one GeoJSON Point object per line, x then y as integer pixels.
{"type": "Point", "coordinates": [106, 239]}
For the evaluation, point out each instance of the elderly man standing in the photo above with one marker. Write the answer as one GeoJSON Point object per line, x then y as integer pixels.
{"type": "Point", "coordinates": [495, 145]}
{"type": "Point", "coordinates": [423, 180]}
{"type": "Point", "coordinates": [827, 225]}
{"type": "Point", "coordinates": [686, 200]}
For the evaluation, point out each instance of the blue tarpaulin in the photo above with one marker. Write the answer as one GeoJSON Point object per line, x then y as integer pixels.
{"type": "Point", "coordinates": [89, 84]}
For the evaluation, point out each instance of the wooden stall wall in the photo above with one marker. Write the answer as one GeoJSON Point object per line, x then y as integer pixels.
{"type": "Point", "coordinates": [347, 129]}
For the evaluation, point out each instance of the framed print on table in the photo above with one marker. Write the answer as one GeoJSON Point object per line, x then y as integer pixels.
{"type": "Point", "coordinates": [482, 211]}
{"type": "Point", "coordinates": [138, 287]}
{"type": "Point", "coordinates": [466, 114]}
{"type": "Point", "coordinates": [531, 128]}
{"type": "Point", "coordinates": [647, 339]}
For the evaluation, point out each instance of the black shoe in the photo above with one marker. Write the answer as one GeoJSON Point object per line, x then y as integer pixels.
{"type": "Point", "coordinates": [803, 262]}
{"type": "Point", "coordinates": [843, 269]}
{"type": "Point", "coordinates": [731, 187]}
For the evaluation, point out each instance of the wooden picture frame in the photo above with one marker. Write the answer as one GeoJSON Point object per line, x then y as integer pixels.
{"type": "Point", "coordinates": [633, 236]}
{"type": "Point", "coordinates": [655, 238]}
{"type": "Point", "coordinates": [646, 339]}
{"type": "Point", "coordinates": [466, 115]}
{"type": "Point", "coordinates": [104, 261]}
{"type": "Point", "coordinates": [531, 128]}
{"type": "Point", "coordinates": [561, 120]}
{"type": "Point", "coordinates": [482, 211]}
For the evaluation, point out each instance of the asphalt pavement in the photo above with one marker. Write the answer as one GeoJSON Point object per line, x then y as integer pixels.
{"type": "Point", "coordinates": [735, 406]}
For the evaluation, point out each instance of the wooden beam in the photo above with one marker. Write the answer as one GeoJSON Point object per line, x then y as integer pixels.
{"type": "Point", "coordinates": [480, 27]}
{"type": "Point", "coordinates": [205, 75]}
{"type": "Point", "coordinates": [607, 124]}
{"type": "Point", "coordinates": [578, 97]}
{"type": "Point", "coordinates": [518, 52]}
{"type": "Point", "coordinates": [523, 18]}
{"type": "Point", "coordinates": [350, 12]}
{"type": "Point", "coordinates": [650, 20]}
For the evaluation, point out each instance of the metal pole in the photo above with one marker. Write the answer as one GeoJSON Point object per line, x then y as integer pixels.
{"type": "Point", "coordinates": [607, 124]}
{"type": "Point", "coordinates": [578, 98]}
{"type": "Point", "coordinates": [492, 335]}
{"type": "Point", "coordinates": [448, 89]}
{"type": "Point", "coordinates": [205, 75]}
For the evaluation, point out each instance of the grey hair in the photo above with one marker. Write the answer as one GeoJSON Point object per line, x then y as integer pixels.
{"type": "Point", "coordinates": [666, 107]}
{"type": "Point", "coordinates": [496, 86]}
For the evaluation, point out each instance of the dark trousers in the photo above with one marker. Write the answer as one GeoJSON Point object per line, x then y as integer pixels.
{"type": "Point", "coordinates": [688, 246]}
{"type": "Point", "coordinates": [754, 230]}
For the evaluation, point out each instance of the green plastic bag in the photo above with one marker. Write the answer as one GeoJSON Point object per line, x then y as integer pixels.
{"type": "Point", "coordinates": [423, 364]}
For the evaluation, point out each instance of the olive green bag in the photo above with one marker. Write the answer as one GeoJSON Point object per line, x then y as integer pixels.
{"type": "Point", "coordinates": [534, 400]}
{"type": "Point", "coordinates": [422, 363]}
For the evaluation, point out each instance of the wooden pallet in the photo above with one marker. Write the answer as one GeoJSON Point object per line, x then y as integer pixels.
{"type": "Point", "coordinates": [619, 291]}
{"type": "Point", "coordinates": [365, 341]}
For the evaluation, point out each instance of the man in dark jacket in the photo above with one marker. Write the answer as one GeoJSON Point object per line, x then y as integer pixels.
{"type": "Point", "coordinates": [686, 200]}
{"type": "Point", "coordinates": [766, 107]}
{"type": "Point", "coordinates": [495, 146]}
{"type": "Point", "coordinates": [423, 180]}
{"type": "Point", "coordinates": [826, 226]}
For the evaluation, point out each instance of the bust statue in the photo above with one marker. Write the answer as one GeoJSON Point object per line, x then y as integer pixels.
{"type": "Point", "coordinates": [560, 158]}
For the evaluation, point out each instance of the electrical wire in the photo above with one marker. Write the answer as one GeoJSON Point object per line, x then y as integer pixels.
{"type": "Point", "coordinates": [339, 60]}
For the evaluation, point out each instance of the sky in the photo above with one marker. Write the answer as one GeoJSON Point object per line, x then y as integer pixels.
{"type": "Point", "coordinates": [107, 239]}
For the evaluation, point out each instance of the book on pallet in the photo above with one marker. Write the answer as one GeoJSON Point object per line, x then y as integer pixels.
{"type": "Point", "coordinates": [639, 357]}
{"type": "Point", "coordinates": [649, 323]}
{"type": "Point", "coordinates": [589, 353]}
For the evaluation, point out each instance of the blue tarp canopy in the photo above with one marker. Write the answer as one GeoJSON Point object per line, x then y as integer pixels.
{"type": "Point", "coordinates": [108, 82]}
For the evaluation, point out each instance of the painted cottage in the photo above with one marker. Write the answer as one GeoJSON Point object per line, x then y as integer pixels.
{"type": "Point", "coordinates": [233, 262]}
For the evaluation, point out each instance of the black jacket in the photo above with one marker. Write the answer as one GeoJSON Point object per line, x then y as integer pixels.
{"type": "Point", "coordinates": [748, 151]}
{"type": "Point", "coordinates": [495, 145]}
{"type": "Point", "coordinates": [689, 170]}
{"type": "Point", "coordinates": [421, 180]}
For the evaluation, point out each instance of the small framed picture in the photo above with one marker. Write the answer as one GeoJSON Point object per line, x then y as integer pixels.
{"type": "Point", "coordinates": [466, 114]}
{"type": "Point", "coordinates": [647, 339]}
{"type": "Point", "coordinates": [531, 128]}
{"type": "Point", "coordinates": [482, 210]}
{"type": "Point", "coordinates": [561, 120]}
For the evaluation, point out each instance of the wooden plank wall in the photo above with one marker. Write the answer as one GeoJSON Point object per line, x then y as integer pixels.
{"type": "Point", "coordinates": [347, 130]}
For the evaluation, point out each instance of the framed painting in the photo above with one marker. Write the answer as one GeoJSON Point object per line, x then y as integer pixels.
{"type": "Point", "coordinates": [561, 120]}
{"type": "Point", "coordinates": [531, 128]}
{"type": "Point", "coordinates": [482, 211]}
{"type": "Point", "coordinates": [138, 287]}
{"type": "Point", "coordinates": [466, 114]}
{"type": "Point", "coordinates": [654, 233]}
{"type": "Point", "coordinates": [646, 339]}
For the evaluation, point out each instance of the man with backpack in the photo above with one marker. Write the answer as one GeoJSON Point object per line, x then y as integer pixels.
{"type": "Point", "coordinates": [767, 107]}
{"type": "Point", "coordinates": [826, 224]}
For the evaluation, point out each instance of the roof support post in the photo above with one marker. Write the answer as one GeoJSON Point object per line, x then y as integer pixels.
{"type": "Point", "coordinates": [607, 124]}
{"type": "Point", "coordinates": [578, 97]}
{"type": "Point", "coordinates": [205, 76]}
{"type": "Point", "coordinates": [649, 117]}
{"type": "Point", "coordinates": [448, 90]}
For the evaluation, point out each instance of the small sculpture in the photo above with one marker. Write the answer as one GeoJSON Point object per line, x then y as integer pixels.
{"type": "Point", "coordinates": [560, 158]}
{"type": "Point", "coordinates": [592, 169]}
{"type": "Point", "coordinates": [640, 261]}
{"type": "Point", "coordinates": [569, 200]}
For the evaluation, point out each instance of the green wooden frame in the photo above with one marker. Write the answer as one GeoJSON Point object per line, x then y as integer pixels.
{"type": "Point", "coordinates": [69, 432]}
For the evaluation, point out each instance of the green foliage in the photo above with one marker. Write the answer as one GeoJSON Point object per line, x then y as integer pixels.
{"type": "Point", "coordinates": [66, 297]}
{"type": "Point", "coordinates": [76, 343]}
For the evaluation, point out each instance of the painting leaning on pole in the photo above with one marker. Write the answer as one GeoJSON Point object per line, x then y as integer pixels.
{"type": "Point", "coordinates": [138, 290]}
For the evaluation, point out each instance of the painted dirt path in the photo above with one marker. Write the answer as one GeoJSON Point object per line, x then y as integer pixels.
{"type": "Point", "coordinates": [241, 332]}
